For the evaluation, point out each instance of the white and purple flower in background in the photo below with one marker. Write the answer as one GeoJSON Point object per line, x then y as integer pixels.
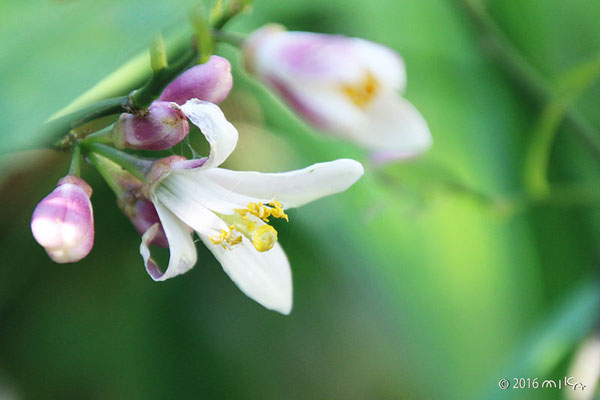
{"type": "Point", "coordinates": [346, 86]}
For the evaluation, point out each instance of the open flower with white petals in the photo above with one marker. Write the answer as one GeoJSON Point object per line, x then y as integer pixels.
{"type": "Point", "coordinates": [231, 210]}
{"type": "Point", "coordinates": [346, 86]}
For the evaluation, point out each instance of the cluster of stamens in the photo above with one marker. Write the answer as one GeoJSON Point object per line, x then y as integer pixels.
{"type": "Point", "coordinates": [263, 211]}
{"type": "Point", "coordinates": [227, 238]}
{"type": "Point", "coordinates": [362, 93]}
{"type": "Point", "coordinates": [263, 238]}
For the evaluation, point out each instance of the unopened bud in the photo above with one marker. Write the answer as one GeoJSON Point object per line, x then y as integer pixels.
{"type": "Point", "coordinates": [63, 222]}
{"type": "Point", "coordinates": [210, 82]}
{"type": "Point", "coordinates": [163, 127]}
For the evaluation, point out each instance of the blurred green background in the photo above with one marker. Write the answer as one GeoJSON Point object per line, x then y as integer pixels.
{"type": "Point", "coordinates": [423, 281]}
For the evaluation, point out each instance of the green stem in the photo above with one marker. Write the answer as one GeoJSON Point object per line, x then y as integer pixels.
{"type": "Point", "coordinates": [522, 72]}
{"type": "Point", "coordinates": [571, 86]}
{"type": "Point", "coordinates": [184, 55]}
{"type": "Point", "coordinates": [158, 54]}
{"type": "Point", "coordinates": [138, 167]}
{"type": "Point", "coordinates": [225, 14]}
{"type": "Point", "coordinates": [116, 178]}
{"type": "Point", "coordinates": [137, 100]}
{"type": "Point", "coordinates": [232, 38]}
{"type": "Point", "coordinates": [102, 136]}
{"type": "Point", "coordinates": [58, 127]}
{"type": "Point", "coordinates": [75, 168]}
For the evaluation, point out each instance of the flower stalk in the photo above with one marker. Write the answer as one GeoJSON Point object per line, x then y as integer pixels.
{"type": "Point", "coordinates": [138, 167]}
{"type": "Point", "coordinates": [75, 168]}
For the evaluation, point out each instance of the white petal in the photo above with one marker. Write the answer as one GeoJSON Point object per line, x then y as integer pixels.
{"type": "Point", "coordinates": [181, 246]}
{"type": "Point", "coordinates": [384, 63]}
{"type": "Point", "coordinates": [264, 277]}
{"type": "Point", "coordinates": [220, 133]}
{"type": "Point", "coordinates": [392, 123]}
{"type": "Point", "coordinates": [293, 188]}
{"type": "Point", "coordinates": [189, 210]}
{"type": "Point", "coordinates": [196, 186]}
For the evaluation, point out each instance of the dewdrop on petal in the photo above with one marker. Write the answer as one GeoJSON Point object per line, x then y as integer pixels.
{"type": "Point", "coordinates": [161, 128]}
{"type": "Point", "coordinates": [63, 222]}
{"type": "Point", "coordinates": [210, 82]}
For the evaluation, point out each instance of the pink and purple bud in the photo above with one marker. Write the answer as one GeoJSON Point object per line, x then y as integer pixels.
{"type": "Point", "coordinates": [162, 128]}
{"type": "Point", "coordinates": [63, 222]}
{"type": "Point", "coordinates": [210, 82]}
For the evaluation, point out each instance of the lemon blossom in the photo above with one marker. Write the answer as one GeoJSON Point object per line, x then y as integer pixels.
{"type": "Point", "coordinates": [345, 86]}
{"type": "Point", "coordinates": [231, 210]}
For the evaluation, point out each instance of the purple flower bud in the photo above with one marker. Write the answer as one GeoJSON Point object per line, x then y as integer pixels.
{"type": "Point", "coordinates": [163, 127]}
{"type": "Point", "coordinates": [63, 222]}
{"type": "Point", "coordinates": [143, 215]}
{"type": "Point", "coordinates": [210, 82]}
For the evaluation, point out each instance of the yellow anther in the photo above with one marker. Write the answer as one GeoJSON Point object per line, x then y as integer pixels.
{"type": "Point", "coordinates": [263, 211]}
{"type": "Point", "coordinates": [264, 238]}
{"type": "Point", "coordinates": [362, 93]}
{"type": "Point", "coordinates": [227, 238]}
{"type": "Point", "coordinates": [277, 210]}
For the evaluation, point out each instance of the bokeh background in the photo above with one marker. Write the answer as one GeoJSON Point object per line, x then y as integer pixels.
{"type": "Point", "coordinates": [429, 279]}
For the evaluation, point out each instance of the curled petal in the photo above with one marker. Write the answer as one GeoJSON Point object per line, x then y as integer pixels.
{"type": "Point", "coordinates": [293, 188]}
{"type": "Point", "coordinates": [181, 246]}
{"type": "Point", "coordinates": [142, 215]}
{"type": "Point", "coordinates": [264, 277]}
{"type": "Point", "coordinates": [220, 133]}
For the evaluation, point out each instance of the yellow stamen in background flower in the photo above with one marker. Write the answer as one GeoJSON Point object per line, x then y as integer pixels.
{"type": "Point", "coordinates": [362, 93]}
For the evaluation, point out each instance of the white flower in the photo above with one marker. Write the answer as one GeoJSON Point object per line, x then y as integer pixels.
{"type": "Point", "coordinates": [230, 210]}
{"type": "Point", "coordinates": [346, 86]}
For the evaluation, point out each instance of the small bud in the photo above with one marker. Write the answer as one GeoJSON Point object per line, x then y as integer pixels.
{"type": "Point", "coordinates": [162, 128]}
{"type": "Point", "coordinates": [63, 222]}
{"type": "Point", "coordinates": [210, 82]}
{"type": "Point", "coordinates": [143, 215]}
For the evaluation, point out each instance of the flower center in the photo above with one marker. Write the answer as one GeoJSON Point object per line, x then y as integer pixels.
{"type": "Point", "coordinates": [363, 92]}
{"type": "Point", "coordinates": [244, 222]}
